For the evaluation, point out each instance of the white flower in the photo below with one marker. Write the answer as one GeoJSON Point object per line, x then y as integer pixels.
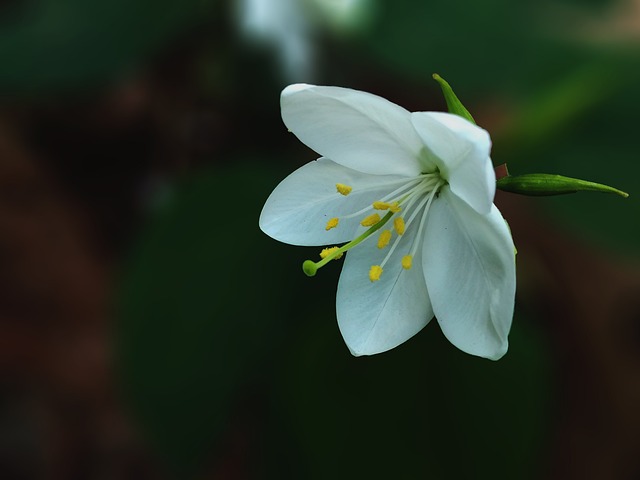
{"type": "Point", "coordinates": [292, 27]}
{"type": "Point", "coordinates": [412, 194]}
{"type": "Point", "coordinates": [283, 25]}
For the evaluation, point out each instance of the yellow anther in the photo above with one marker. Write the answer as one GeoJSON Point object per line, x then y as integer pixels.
{"type": "Point", "coordinates": [375, 272]}
{"type": "Point", "coordinates": [343, 189]}
{"type": "Point", "coordinates": [370, 220]}
{"type": "Point", "coordinates": [333, 223]}
{"type": "Point", "coordinates": [398, 225]}
{"type": "Point", "coordinates": [384, 238]}
{"type": "Point", "coordinates": [407, 260]}
{"type": "Point", "coordinates": [378, 205]}
{"type": "Point", "coordinates": [395, 207]}
{"type": "Point", "coordinates": [329, 251]}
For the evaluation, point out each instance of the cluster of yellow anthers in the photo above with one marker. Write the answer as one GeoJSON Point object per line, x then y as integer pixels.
{"type": "Point", "coordinates": [421, 191]}
{"type": "Point", "coordinates": [371, 221]}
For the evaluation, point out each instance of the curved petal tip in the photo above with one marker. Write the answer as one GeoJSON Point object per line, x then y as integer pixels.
{"type": "Point", "coordinates": [499, 352]}
{"type": "Point", "coordinates": [295, 88]}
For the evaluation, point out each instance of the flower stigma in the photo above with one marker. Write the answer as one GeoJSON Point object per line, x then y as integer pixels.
{"type": "Point", "coordinates": [413, 197]}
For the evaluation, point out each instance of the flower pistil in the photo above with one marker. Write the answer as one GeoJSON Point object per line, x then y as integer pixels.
{"type": "Point", "coordinates": [414, 197]}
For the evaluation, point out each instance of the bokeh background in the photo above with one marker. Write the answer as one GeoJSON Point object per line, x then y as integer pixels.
{"type": "Point", "coordinates": [149, 330]}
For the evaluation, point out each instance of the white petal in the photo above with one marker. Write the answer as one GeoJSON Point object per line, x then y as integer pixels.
{"type": "Point", "coordinates": [377, 316]}
{"type": "Point", "coordinates": [355, 129]}
{"type": "Point", "coordinates": [461, 151]}
{"type": "Point", "coordinates": [298, 209]}
{"type": "Point", "coordinates": [469, 265]}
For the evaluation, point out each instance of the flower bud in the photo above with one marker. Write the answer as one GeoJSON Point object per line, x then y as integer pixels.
{"type": "Point", "coordinates": [545, 184]}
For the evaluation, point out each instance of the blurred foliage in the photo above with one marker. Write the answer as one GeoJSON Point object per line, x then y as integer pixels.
{"type": "Point", "coordinates": [62, 45]}
{"type": "Point", "coordinates": [197, 312]}
{"type": "Point", "coordinates": [423, 410]}
{"type": "Point", "coordinates": [473, 44]}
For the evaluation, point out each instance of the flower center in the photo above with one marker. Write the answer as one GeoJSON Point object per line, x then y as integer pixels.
{"type": "Point", "coordinates": [408, 204]}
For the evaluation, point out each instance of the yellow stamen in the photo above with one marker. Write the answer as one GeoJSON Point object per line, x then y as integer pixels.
{"type": "Point", "coordinates": [328, 251]}
{"type": "Point", "coordinates": [384, 239]}
{"type": "Point", "coordinates": [407, 260]}
{"type": "Point", "coordinates": [375, 272]}
{"type": "Point", "coordinates": [398, 225]}
{"type": "Point", "coordinates": [395, 207]}
{"type": "Point", "coordinates": [370, 220]}
{"type": "Point", "coordinates": [333, 223]}
{"type": "Point", "coordinates": [378, 205]}
{"type": "Point", "coordinates": [343, 189]}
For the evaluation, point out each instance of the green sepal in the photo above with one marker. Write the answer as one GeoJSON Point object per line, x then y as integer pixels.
{"type": "Point", "coordinates": [545, 184]}
{"type": "Point", "coordinates": [453, 102]}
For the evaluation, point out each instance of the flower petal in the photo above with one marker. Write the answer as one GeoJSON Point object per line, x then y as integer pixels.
{"type": "Point", "coordinates": [461, 152]}
{"type": "Point", "coordinates": [355, 129]}
{"type": "Point", "coordinates": [469, 265]}
{"type": "Point", "coordinates": [298, 209]}
{"type": "Point", "coordinates": [377, 316]}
